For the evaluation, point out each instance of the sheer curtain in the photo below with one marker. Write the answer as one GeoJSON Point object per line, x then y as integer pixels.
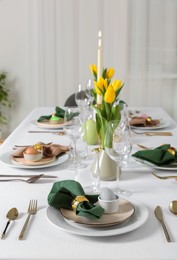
{"type": "Point", "coordinates": [152, 54]}
{"type": "Point", "coordinates": [139, 41]}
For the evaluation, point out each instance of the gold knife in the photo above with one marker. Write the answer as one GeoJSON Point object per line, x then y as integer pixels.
{"type": "Point", "coordinates": [158, 214]}
{"type": "Point", "coordinates": [158, 133]}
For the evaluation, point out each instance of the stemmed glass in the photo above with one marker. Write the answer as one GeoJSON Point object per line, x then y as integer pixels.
{"type": "Point", "coordinates": [74, 130]}
{"type": "Point", "coordinates": [81, 98]}
{"type": "Point", "coordinates": [88, 92]}
{"type": "Point", "coordinates": [118, 145]}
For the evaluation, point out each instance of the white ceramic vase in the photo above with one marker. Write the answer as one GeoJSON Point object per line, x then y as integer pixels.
{"type": "Point", "coordinates": [107, 167]}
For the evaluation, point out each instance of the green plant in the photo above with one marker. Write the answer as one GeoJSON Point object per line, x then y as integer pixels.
{"type": "Point", "coordinates": [4, 97]}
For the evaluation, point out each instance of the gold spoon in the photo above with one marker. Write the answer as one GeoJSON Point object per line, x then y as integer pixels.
{"type": "Point", "coordinates": [173, 207]}
{"type": "Point", "coordinates": [29, 180]}
{"type": "Point", "coordinates": [12, 214]}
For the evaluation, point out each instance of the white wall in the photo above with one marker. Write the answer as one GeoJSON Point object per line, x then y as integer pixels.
{"type": "Point", "coordinates": [46, 46]}
{"type": "Point", "coordinates": [14, 56]}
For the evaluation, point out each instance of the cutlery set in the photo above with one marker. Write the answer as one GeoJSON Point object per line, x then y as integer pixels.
{"type": "Point", "coordinates": [12, 214]}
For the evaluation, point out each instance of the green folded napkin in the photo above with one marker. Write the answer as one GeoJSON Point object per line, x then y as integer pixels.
{"type": "Point", "coordinates": [59, 112]}
{"type": "Point", "coordinates": [64, 192]}
{"type": "Point", "coordinates": [159, 156]}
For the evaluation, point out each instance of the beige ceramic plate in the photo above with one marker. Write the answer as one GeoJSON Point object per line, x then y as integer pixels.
{"type": "Point", "coordinates": [125, 211]}
{"type": "Point", "coordinates": [43, 161]}
{"type": "Point", "coordinates": [47, 124]}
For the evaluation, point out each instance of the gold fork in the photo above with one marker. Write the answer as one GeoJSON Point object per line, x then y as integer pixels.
{"type": "Point", "coordinates": [165, 177]}
{"type": "Point", "coordinates": [32, 209]}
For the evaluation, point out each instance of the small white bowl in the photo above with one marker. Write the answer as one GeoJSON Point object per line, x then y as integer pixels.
{"type": "Point", "coordinates": [109, 206]}
{"type": "Point", "coordinates": [33, 157]}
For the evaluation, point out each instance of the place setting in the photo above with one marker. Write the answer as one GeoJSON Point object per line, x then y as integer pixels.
{"type": "Point", "coordinates": [148, 125]}
{"type": "Point", "coordinates": [163, 157]}
{"type": "Point", "coordinates": [52, 121]}
{"type": "Point", "coordinates": [39, 155]}
{"type": "Point", "coordinates": [96, 215]}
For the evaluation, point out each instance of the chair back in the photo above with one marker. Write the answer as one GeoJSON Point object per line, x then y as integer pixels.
{"type": "Point", "coordinates": [70, 101]}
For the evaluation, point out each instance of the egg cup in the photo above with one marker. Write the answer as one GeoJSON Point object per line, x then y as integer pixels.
{"type": "Point", "coordinates": [33, 157]}
{"type": "Point", "coordinates": [109, 206]}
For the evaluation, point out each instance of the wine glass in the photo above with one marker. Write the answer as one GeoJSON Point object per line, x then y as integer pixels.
{"type": "Point", "coordinates": [81, 98]}
{"type": "Point", "coordinates": [88, 91]}
{"type": "Point", "coordinates": [75, 130]}
{"type": "Point", "coordinates": [118, 145]}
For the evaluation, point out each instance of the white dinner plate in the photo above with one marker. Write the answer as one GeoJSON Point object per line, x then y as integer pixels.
{"type": "Point", "coordinates": [171, 167]}
{"type": "Point", "coordinates": [137, 220]}
{"type": "Point", "coordinates": [46, 125]}
{"type": "Point", "coordinates": [6, 159]}
{"type": "Point", "coordinates": [162, 124]}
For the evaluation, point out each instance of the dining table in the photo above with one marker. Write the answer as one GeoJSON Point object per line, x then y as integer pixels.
{"type": "Point", "coordinates": [49, 235]}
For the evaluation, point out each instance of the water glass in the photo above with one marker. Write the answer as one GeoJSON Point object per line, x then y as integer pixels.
{"type": "Point", "coordinates": [81, 98]}
{"type": "Point", "coordinates": [118, 146]}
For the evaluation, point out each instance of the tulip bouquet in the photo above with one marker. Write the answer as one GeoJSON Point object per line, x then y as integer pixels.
{"type": "Point", "coordinates": [107, 105]}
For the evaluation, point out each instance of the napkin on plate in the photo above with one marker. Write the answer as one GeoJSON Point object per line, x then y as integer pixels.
{"type": "Point", "coordinates": [49, 150]}
{"type": "Point", "coordinates": [143, 121]}
{"type": "Point", "coordinates": [59, 112]}
{"type": "Point", "coordinates": [64, 192]}
{"type": "Point", "coordinates": [159, 156]}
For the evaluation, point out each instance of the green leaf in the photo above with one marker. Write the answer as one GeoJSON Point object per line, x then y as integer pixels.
{"type": "Point", "coordinates": [104, 73]}
{"type": "Point", "coordinates": [109, 137]}
{"type": "Point", "coordinates": [95, 75]}
{"type": "Point", "coordinates": [119, 90]}
{"type": "Point", "coordinates": [116, 115]}
{"type": "Point", "coordinates": [108, 111]}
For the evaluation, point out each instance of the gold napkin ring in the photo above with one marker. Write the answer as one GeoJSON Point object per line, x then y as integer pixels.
{"type": "Point", "coordinates": [172, 150]}
{"type": "Point", "coordinates": [148, 119]}
{"type": "Point", "coordinates": [77, 200]}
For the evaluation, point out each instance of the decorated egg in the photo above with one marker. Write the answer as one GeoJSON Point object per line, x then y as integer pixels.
{"type": "Point", "coordinates": [55, 119]}
{"type": "Point", "coordinates": [31, 150]}
{"type": "Point", "coordinates": [107, 194]}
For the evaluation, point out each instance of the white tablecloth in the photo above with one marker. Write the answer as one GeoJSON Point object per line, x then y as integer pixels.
{"type": "Point", "coordinates": [45, 241]}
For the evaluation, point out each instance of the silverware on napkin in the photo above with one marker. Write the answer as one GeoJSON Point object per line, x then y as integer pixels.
{"type": "Point", "coordinates": [159, 216]}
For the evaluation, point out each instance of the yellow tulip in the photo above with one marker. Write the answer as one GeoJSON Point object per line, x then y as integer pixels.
{"type": "Point", "coordinates": [117, 84]}
{"type": "Point", "coordinates": [105, 84]}
{"type": "Point", "coordinates": [110, 94]}
{"type": "Point", "coordinates": [93, 68]}
{"type": "Point", "coordinates": [99, 85]}
{"type": "Point", "coordinates": [109, 73]}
